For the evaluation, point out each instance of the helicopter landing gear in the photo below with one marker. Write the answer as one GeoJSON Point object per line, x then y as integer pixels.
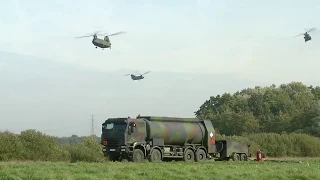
{"type": "Point", "coordinates": [96, 47]}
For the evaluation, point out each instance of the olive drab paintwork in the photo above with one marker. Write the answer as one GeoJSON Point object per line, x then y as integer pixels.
{"type": "Point", "coordinates": [101, 43]}
{"type": "Point", "coordinates": [235, 150]}
{"type": "Point", "coordinates": [113, 131]}
{"type": "Point", "coordinates": [155, 138]}
{"type": "Point", "coordinates": [210, 137]}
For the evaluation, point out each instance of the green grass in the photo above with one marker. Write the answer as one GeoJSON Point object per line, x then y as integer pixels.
{"type": "Point", "coordinates": [307, 169]}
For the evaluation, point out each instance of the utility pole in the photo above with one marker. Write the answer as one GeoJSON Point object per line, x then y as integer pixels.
{"type": "Point", "coordinates": [92, 125]}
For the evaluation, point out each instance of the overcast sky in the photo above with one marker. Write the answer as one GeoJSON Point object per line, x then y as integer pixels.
{"type": "Point", "coordinates": [53, 82]}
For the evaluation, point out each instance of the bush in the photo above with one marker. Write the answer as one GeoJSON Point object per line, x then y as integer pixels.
{"type": "Point", "coordinates": [41, 147]}
{"type": "Point", "coordinates": [88, 150]}
{"type": "Point", "coordinates": [10, 146]}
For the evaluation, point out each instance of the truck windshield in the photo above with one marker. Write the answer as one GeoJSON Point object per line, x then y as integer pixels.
{"type": "Point", "coordinates": [115, 126]}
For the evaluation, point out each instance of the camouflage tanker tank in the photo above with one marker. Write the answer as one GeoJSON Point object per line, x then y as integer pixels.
{"type": "Point", "coordinates": [177, 131]}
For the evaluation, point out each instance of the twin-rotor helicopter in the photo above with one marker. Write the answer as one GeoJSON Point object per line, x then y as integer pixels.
{"type": "Point", "coordinates": [101, 43]}
{"type": "Point", "coordinates": [139, 77]}
{"type": "Point", "coordinates": [307, 36]}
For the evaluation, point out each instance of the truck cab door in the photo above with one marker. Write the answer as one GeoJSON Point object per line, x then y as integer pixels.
{"type": "Point", "coordinates": [136, 132]}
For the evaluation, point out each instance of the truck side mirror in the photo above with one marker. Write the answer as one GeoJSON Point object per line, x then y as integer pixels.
{"type": "Point", "coordinates": [132, 126]}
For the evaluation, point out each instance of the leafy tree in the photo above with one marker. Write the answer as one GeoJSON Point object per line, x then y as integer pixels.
{"type": "Point", "coordinates": [291, 107]}
{"type": "Point", "coordinates": [10, 146]}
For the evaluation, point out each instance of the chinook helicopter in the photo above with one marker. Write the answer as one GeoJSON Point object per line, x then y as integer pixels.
{"type": "Point", "coordinates": [101, 43]}
{"type": "Point", "coordinates": [306, 37]}
{"type": "Point", "coordinates": [134, 77]}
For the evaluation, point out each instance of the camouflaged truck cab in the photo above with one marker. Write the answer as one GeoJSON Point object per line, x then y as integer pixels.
{"type": "Point", "coordinates": [155, 138]}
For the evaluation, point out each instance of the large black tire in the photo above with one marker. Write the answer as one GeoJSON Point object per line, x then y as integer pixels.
{"type": "Point", "coordinates": [113, 157]}
{"type": "Point", "coordinates": [155, 156]}
{"type": "Point", "coordinates": [188, 155]}
{"type": "Point", "coordinates": [138, 155]}
{"type": "Point", "coordinates": [236, 157]}
{"type": "Point", "coordinates": [244, 157]}
{"type": "Point", "coordinates": [200, 155]}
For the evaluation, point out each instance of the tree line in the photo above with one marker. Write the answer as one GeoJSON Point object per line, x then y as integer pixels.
{"type": "Point", "coordinates": [288, 108]}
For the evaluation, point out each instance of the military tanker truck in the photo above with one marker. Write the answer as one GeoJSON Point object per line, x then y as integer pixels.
{"type": "Point", "coordinates": [156, 138]}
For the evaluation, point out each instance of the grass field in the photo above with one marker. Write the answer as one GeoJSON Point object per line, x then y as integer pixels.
{"type": "Point", "coordinates": [308, 168]}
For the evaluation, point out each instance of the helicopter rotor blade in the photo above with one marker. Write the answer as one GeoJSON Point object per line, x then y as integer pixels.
{"type": "Point", "coordinates": [121, 32]}
{"type": "Point", "coordinates": [89, 35]}
{"type": "Point", "coordinates": [298, 35]}
{"type": "Point", "coordinates": [83, 36]}
{"type": "Point", "coordinates": [146, 73]}
{"type": "Point", "coordinates": [312, 29]}
{"type": "Point", "coordinates": [127, 74]}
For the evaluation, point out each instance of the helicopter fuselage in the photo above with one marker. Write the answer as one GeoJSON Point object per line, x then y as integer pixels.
{"type": "Point", "coordinates": [101, 43]}
{"type": "Point", "coordinates": [307, 37]}
{"type": "Point", "coordinates": [133, 77]}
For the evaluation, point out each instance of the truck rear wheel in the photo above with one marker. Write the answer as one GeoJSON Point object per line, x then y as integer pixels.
{"type": "Point", "coordinates": [155, 155]}
{"type": "Point", "coordinates": [235, 157]}
{"type": "Point", "coordinates": [200, 155]}
{"type": "Point", "coordinates": [244, 157]}
{"type": "Point", "coordinates": [188, 155]}
{"type": "Point", "coordinates": [138, 155]}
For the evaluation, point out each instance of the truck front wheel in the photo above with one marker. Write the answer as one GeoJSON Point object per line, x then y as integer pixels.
{"type": "Point", "coordinates": [138, 155]}
{"type": "Point", "coordinates": [113, 157]}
